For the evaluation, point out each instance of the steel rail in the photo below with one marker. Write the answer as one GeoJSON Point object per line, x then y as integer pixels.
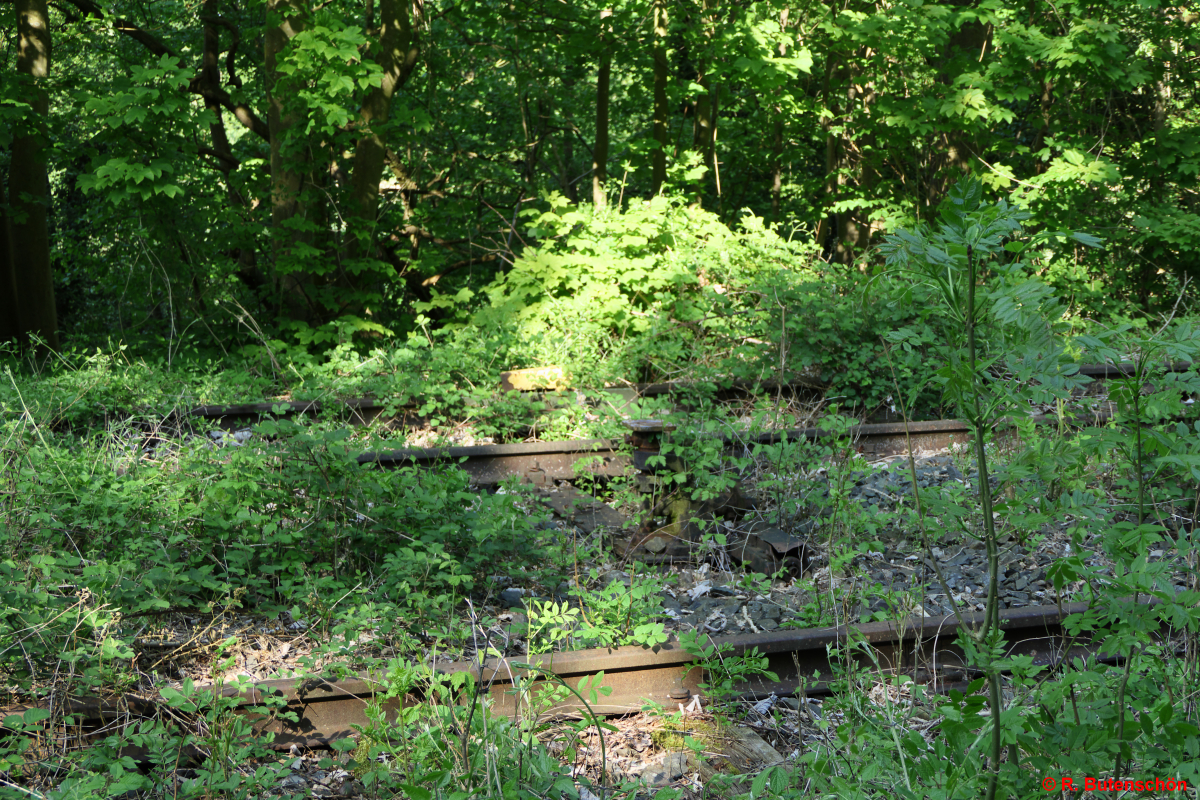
{"type": "Point", "coordinates": [806, 663]}
{"type": "Point", "coordinates": [365, 410]}
{"type": "Point", "coordinates": [542, 462]}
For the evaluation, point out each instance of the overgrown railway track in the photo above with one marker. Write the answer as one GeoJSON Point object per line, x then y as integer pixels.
{"type": "Point", "coordinates": [806, 662]}
{"type": "Point", "coordinates": [542, 462]}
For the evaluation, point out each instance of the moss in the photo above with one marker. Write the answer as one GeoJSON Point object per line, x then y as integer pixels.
{"type": "Point", "coordinates": [362, 756]}
{"type": "Point", "coordinates": [672, 734]}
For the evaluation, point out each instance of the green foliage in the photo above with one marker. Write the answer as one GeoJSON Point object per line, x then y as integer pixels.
{"type": "Point", "coordinates": [723, 669]}
{"type": "Point", "coordinates": [149, 99]}
{"type": "Point", "coordinates": [324, 74]}
{"type": "Point", "coordinates": [617, 614]}
{"type": "Point", "coordinates": [276, 523]}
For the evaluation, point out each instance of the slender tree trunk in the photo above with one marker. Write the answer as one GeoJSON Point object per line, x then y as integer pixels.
{"type": "Point", "coordinates": [210, 84]}
{"type": "Point", "coordinates": [28, 186]}
{"type": "Point", "coordinates": [776, 170]}
{"type": "Point", "coordinates": [777, 139]}
{"type": "Point", "coordinates": [958, 146]}
{"type": "Point", "coordinates": [10, 327]}
{"type": "Point", "coordinates": [832, 66]}
{"type": "Point", "coordinates": [702, 123]}
{"type": "Point", "coordinates": [704, 128]}
{"type": "Point", "coordinates": [397, 54]}
{"type": "Point", "coordinates": [603, 77]}
{"type": "Point", "coordinates": [658, 159]}
{"type": "Point", "coordinates": [296, 299]}
{"type": "Point", "coordinates": [567, 164]}
{"type": "Point", "coordinates": [855, 227]}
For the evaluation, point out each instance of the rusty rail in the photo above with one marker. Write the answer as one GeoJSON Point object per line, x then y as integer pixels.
{"type": "Point", "coordinates": [542, 462]}
{"type": "Point", "coordinates": [922, 647]}
{"type": "Point", "coordinates": [805, 662]}
{"type": "Point", "coordinates": [365, 410]}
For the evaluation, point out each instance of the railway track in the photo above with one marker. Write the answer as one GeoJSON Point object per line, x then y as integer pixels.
{"type": "Point", "coordinates": [805, 662]}
{"type": "Point", "coordinates": [544, 462]}
{"type": "Point", "coordinates": [367, 410]}
{"type": "Point", "coordinates": [923, 647]}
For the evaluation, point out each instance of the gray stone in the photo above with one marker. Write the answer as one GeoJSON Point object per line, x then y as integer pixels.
{"type": "Point", "coordinates": [612, 576]}
{"type": "Point", "coordinates": [706, 605]}
{"type": "Point", "coordinates": [767, 624]}
{"type": "Point", "coordinates": [655, 544]}
{"type": "Point", "coordinates": [512, 597]}
{"type": "Point", "coordinates": [673, 767]}
{"type": "Point", "coordinates": [759, 609]}
{"type": "Point", "coordinates": [293, 783]}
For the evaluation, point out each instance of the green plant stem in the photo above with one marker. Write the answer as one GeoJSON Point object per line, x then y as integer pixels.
{"type": "Point", "coordinates": [1118, 767]}
{"type": "Point", "coordinates": [1137, 439]}
{"type": "Point", "coordinates": [992, 612]}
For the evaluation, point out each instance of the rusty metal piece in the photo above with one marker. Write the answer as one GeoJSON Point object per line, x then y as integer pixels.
{"type": "Point", "coordinates": [490, 464]}
{"type": "Point", "coordinates": [536, 475]}
{"type": "Point", "coordinates": [779, 541]}
{"type": "Point", "coordinates": [637, 675]}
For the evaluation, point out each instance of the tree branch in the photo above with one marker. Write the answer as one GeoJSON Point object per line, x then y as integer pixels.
{"type": "Point", "coordinates": [433, 279]}
{"type": "Point", "coordinates": [242, 112]}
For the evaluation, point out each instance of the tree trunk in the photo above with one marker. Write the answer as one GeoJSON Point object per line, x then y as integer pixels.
{"type": "Point", "coordinates": [855, 227]}
{"type": "Point", "coordinates": [704, 128]}
{"type": "Point", "coordinates": [295, 299]}
{"type": "Point", "coordinates": [966, 45]}
{"type": "Point", "coordinates": [210, 85]}
{"type": "Point", "coordinates": [10, 327]}
{"type": "Point", "coordinates": [603, 77]}
{"type": "Point", "coordinates": [658, 158]}
{"type": "Point", "coordinates": [777, 139]}
{"type": "Point", "coordinates": [776, 169]}
{"type": "Point", "coordinates": [28, 186]}
{"type": "Point", "coordinates": [832, 66]}
{"type": "Point", "coordinates": [565, 152]}
{"type": "Point", "coordinates": [397, 53]}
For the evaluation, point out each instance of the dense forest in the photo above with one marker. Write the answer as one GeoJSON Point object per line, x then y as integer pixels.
{"type": "Point", "coordinates": [361, 169]}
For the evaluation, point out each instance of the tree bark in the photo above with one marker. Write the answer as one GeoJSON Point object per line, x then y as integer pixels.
{"type": "Point", "coordinates": [397, 54]}
{"type": "Point", "coordinates": [777, 139]}
{"type": "Point", "coordinates": [603, 79]}
{"type": "Point", "coordinates": [658, 159]}
{"type": "Point", "coordinates": [776, 169]}
{"type": "Point", "coordinates": [210, 84]}
{"type": "Point", "coordinates": [286, 182]}
{"type": "Point", "coordinates": [704, 128]}
{"type": "Point", "coordinates": [28, 186]}
{"type": "Point", "coordinates": [966, 45]}
{"type": "Point", "coordinates": [10, 327]}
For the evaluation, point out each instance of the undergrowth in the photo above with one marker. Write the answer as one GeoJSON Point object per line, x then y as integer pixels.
{"type": "Point", "coordinates": [112, 511]}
